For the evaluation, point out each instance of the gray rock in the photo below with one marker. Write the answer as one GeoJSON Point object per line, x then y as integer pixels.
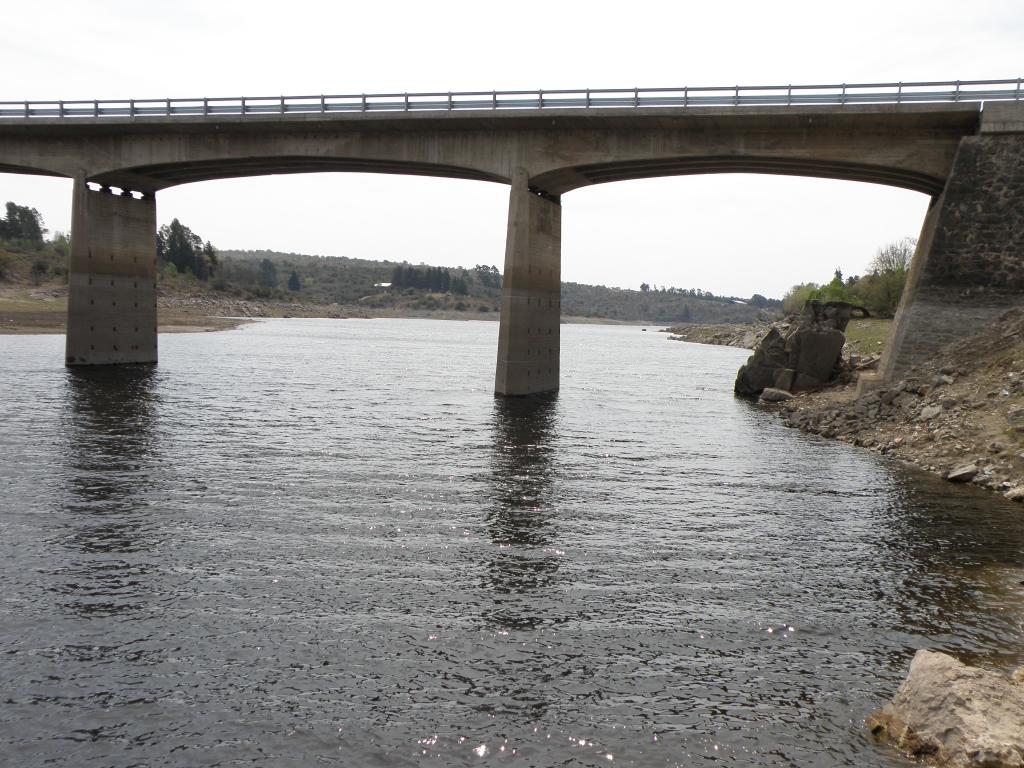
{"type": "Point", "coordinates": [773, 395]}
{"type": "Point", "coordinates": [784, 378]}
{"type": "Point", "coordinates": [929, 412]}
{"type": "Point", "coordinates": [815, 352]}
{"type": "Point", "coordinates": [800, 355]}
{"type": "Point", "coordinates": [954, 715]}
{"type": "Point", "coordinates": [1015, 494]}
{"type": "Point", "coordinates": [964, 474]}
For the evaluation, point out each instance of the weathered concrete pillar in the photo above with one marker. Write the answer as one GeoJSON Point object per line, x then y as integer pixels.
{"type": "Point", "coordinates": [969, 264]}
{"type": "Point", "coordinates": [112, 282]}
{"type": "Point", "coordinates": [531, 293]}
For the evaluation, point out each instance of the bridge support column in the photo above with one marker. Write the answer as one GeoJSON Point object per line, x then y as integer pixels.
{"type": "Point", "coordinates": [531, 293]}
{"type": "Point", "coordinates": [112, 281]}
{"type": "Point", "coordinates": [969, 264]}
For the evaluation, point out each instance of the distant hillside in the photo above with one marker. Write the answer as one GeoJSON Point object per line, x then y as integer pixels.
{"type": "Point", "coordinates": [193, 272]}
{"type": "Point", "coordinates": [660, 305]}
{"type": "Point", "coordinates": [342, 280]}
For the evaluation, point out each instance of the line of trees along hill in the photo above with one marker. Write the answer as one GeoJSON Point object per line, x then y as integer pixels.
{"type": "Point", "coordinates": [380, 284]}
{"type": "Point", "coordinates": [879, 289]}
{"type": "Point", "coordinates": [184, 257]}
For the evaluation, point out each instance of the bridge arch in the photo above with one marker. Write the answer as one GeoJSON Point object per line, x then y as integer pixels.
{"type": "Point", "coordinates": [562, 180]}
{"type": "Point", "coordinates": [154, 177]}
{"type": "Point", "coordinates": [27, 170]}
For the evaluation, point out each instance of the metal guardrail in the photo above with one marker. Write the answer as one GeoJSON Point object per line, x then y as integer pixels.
{"type": "Point", "coordinates": [584, 98]}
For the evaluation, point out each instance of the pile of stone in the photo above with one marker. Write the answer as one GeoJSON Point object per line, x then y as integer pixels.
{"type": "Point", "coordinates": [798, 355]}
{"type": "Point", "coordinates": [954, 715]}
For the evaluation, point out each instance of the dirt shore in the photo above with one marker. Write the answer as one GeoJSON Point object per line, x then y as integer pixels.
{"type": "Point", "coordinates": [44, 310]}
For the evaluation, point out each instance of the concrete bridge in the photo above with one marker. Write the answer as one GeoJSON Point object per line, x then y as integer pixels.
{"type": "Point", "coordinates": [961, 144]}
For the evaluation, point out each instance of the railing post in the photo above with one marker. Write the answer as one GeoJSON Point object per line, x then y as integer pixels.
{"type": "Point", "coordinates": [789, 95]}
{"type": "Point", "coordinates": [587, 102]}
{"type": "Point", "coordinates": [206, 107]}
{"type": "Point", "coordinates": [1017, 97]}
{"type": "Point", "coordinates": [956, 93]}
{"type": "Point", "coordinates": [899, 93]}
{"type": "Point", "coordinates": [60, 109]}
{"type": "Point", "coordinates": [494, 99]}
{"type": "Point", "coordinates": [686, 95]}
{"type": "Point", "coordinates": [407, 102]}
{"type": "Point", "coordinates": [282, 105]}
{"type": "Point", "coordinates": [26, 109]}
{"type": "Point", "coordinates": [636, 97]}
{"type": "Point", "coordinates": [243, 106]}
{"type": "Point", "coordinates": [449, 101]}
{"type": "Point", "coordinates": [167, 108]}
{"type": "Point", "coordinates": [95, 108]}
{"type": "Point", "coordinates": [131, 107]}
{"type": "Point", "coordinates": [540, 98]}
{"type": "Point", "coordinates": [323, 104]}
{"type": "Point", "coordinates": [736, 97]}
{"type": "Point", "coordinates": [842, 96]}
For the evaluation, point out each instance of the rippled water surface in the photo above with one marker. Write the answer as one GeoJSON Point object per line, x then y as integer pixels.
{"type": "Point", "coordinates": [316, 542]}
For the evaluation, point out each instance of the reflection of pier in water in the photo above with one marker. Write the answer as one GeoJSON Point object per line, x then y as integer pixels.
{"type": "Point", "coordinates": [522, 592]}
{"type": "Point", "coordinates": [521, 522]}
{"type": "Point", "coordinates": [110, 455]}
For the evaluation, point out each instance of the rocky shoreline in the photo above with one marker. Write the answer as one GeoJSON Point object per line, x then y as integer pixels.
{"type": "Point", "coordinates": [742, 336]}
{"type": "Point", "coordinates": [960, 415]}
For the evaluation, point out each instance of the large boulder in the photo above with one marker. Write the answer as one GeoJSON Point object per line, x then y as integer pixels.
{"type": "Point", "coordinates": [955, 715]}
{"type": "Point", "coordinates": [803, 354]}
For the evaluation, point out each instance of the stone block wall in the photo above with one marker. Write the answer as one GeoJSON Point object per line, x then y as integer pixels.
{"type": "Point", "coordinates": [969, 268]}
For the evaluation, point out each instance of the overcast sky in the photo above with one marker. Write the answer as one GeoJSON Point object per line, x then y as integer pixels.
{"type": "Point", "coordinates": [731, 234]}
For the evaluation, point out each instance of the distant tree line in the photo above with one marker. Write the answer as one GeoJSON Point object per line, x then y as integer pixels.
{"type": "Point", "coordinates": [180, 247]}
{"type": "Point", "coordinates": [757, 300]}
{"type": "Point", "coordinates": [437, 279]}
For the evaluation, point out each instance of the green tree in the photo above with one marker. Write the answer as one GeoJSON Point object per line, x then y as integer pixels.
{"type": "Point", "coordinates": [799, 295]}
{"type": "Point", "coordinates": [179, 246]}
{"type": "Point", "coordinates": [22, 224]}
{"type": "Point", "coordinates": [835, 290]}
{"type": "Point", "coordinates": [268, 274]}
{"type": "Point", "coordinates": [757, 300]}
{"type": "Point", "coordinates": [293, 281]}
{"type": "Point", "coordinates": [880, 290]}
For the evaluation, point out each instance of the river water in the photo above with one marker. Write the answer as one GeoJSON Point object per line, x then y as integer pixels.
{"type": "Point", "coordinates": [325, 542]}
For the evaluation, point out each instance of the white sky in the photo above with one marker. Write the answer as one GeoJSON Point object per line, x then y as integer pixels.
{"type": "Point", "coordinates": [731, 234]}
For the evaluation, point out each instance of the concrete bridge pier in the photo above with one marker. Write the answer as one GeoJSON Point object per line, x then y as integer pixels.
{"type": "Point", "coordinates": [531, 293]}
{"type": "Point", "coordinates": [969, 264]}
{"type": "Point", "coordinates": [112, 281]}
